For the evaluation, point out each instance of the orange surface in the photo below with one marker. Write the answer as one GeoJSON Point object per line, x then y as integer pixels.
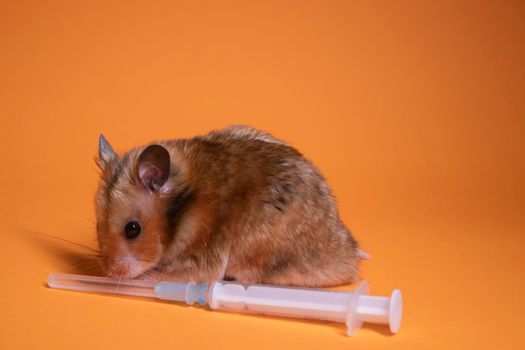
{"type": "Point", "coordinates": [414, 111]}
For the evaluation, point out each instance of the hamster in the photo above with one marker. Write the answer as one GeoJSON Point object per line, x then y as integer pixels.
{"type": "Point", "coordinates": [235, 204]}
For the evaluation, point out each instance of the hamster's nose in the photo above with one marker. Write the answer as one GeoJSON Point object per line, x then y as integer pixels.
{"type": "Point", "coordinates": [117, 271]}
{"type": "Point", "coordinates": [113, 269]}
{"type": "Point", "coordinates": [124, 267]}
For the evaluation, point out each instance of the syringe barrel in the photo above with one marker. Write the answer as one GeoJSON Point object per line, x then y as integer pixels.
{"type": "Point", "coordinates": [281, 301]}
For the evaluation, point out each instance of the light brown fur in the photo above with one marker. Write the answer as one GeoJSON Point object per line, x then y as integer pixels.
{"type": "Point", "coordinates": [249, 207]}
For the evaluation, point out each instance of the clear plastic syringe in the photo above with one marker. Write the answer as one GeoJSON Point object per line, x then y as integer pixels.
{"type": "Point", "coordinates": [351, 308]}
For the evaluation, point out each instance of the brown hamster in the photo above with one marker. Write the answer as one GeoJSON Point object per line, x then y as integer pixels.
{"type": "Point", "coordinates": [234, 204]}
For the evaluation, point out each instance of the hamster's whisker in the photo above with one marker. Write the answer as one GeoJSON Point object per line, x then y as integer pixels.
{"type": "Point", "coordinates": [147, 275]}
{"type": "Point", "coordinates": [74, 258]}
{"type": "Point", "coordinates": [64, 240]}
{"type": "Point", "coordinates": [119, 280]}
{"type": "Point", "coordinates": [90, 255]}
{"type": "Point", "coordinates": [84, 264]}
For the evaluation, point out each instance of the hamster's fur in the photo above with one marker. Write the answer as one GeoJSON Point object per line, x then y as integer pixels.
{"type": "Point", "coordinates": [236, 203]}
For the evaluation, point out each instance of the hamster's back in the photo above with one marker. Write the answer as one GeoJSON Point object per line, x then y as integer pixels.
{"type": "Point", "coordinates": [274, 209]}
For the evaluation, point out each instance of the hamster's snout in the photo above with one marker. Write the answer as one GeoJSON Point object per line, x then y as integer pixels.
{"type": "Point", "coordinates": [123, 267]}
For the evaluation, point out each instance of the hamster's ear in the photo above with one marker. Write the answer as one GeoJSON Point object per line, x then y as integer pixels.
{"type": "Point", "coordinates": [153, 167]}
{"type": "Point", "coordinates": [105, 153]}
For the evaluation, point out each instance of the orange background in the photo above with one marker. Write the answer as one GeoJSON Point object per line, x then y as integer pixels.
{"type": "Point", "coordinates": [414, 111]}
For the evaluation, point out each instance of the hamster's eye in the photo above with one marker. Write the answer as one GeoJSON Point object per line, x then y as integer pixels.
{"type": "Point", "coordinates": [132, 230]}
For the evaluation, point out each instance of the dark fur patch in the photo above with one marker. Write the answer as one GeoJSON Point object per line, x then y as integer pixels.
{"type": "Point", "coordinates": [287, 188]}
{"type": "Point", "coordinates": [176, 208]}
{"type": "Point", "coordinates": [281, 195]}
{"type": "Point", "coordinates": [277, 205]}
{"type": "Point", "coordinates": [280, 264]}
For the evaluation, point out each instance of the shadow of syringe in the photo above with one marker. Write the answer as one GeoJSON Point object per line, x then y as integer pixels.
{"type": "Point", "coordinates": [352, 308]}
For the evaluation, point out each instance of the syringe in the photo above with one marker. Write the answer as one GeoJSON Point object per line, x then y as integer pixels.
{"type": "Point", "coordinates": [351, 308]}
